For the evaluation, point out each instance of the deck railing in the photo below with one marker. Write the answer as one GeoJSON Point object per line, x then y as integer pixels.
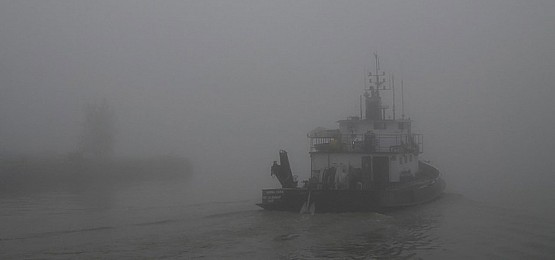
{"type": "Point", "coordinates": [367, 143]}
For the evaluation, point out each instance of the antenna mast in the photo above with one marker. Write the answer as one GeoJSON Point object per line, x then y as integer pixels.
{"type": "Point", "coordinates": [402, 101]}
{"type": "Point", "coordinates": [378, 82]}
{"type": "Point", "coordinates": [393, 89]}
{"type": "Point", "coordinates": [374, 108]}
{"type": "Point", "coordinates": [360, 105]}
{"type": "Point", "coordinates": [365, 89]}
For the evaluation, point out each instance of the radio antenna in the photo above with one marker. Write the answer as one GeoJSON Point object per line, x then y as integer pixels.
{"type": "Point", "coordinates": [402, 101]}
{"type": "Point", "coordinates": [393, 89]}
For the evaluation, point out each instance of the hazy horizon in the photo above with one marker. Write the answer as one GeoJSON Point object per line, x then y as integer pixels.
{"type": "Point", "coordinates": [229, 83]}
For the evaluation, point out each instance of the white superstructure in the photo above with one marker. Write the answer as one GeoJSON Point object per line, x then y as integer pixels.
{"type": "Point", "coordinates": [365, 153]}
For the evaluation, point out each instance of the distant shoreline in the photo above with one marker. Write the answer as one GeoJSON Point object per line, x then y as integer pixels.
{"type": "Point", "coordinates": [41, 173]}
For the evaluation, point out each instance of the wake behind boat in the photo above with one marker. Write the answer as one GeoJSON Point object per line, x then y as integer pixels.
{"type": "Point", "coordinates": [367, 164]}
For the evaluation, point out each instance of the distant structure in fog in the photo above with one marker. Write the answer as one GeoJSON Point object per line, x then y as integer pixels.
{"type": "Point", "coordinates": [98, 137]}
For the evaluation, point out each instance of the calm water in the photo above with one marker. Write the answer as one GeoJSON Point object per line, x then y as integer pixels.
{"type": "Point", "coordinates": [176, 219]}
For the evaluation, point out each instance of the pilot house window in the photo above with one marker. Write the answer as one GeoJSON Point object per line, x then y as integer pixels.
{"type": "Point", "coordinates": [379, 125]}
{"type": "Point", "coordinates": [404, 125]}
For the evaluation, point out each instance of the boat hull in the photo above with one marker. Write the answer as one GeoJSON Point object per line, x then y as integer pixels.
{"type": "Point", "coordinates": [407, 194]}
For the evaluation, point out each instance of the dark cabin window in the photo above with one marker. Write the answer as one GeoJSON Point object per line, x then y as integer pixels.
{"type": "Point", "coordinates": [404, 125]}
{"type": "Point", "coordinates": [379, 125]}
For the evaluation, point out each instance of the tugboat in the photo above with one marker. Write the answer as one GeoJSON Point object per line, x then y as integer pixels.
{"type": "Point", "coordinates": [367, 164]}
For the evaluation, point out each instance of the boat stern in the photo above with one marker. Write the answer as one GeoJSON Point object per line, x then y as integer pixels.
{"type": "Point", "coordinates": [283, 199]}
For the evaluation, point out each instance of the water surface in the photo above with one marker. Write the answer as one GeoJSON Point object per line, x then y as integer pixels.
{"type": "Point", "coordinates": [176, 219]}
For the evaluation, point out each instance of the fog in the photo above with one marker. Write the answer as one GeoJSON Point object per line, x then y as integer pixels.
{"type": "Point", "coordinates": [227, 84]}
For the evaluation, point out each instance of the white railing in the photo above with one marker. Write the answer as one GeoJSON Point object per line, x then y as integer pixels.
{"type": "Point", "coordinates": [368, 143]}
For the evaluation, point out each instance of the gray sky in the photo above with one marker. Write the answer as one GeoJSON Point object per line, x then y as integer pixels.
{"type": "Point", "coordinates": [229, 83]}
